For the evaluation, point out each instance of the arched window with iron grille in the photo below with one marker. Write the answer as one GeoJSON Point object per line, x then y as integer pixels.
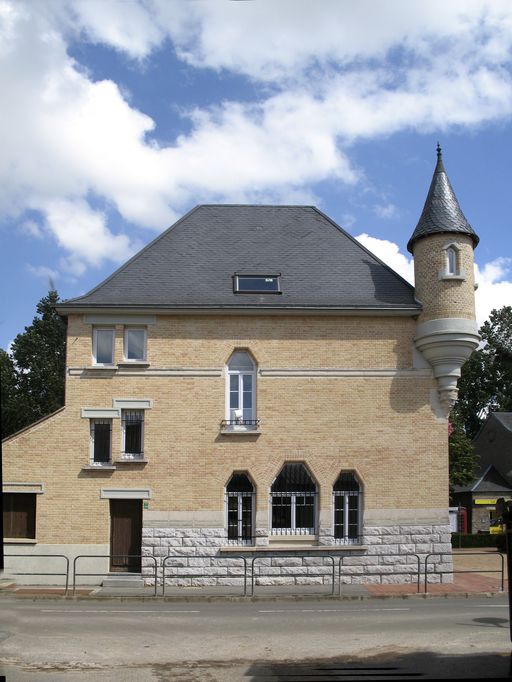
{"type": "Point", "coordinates": [293, 498]}
{"type": "Point", "coordinates": [240, 500]}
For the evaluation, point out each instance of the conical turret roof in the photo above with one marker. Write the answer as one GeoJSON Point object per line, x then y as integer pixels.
{"type": "Point", "coordinates": [441, 212]}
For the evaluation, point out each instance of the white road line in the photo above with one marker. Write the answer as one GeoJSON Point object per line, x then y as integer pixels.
{"type": "Point", "coordinates": [328, 610]}
{"type": "Point", "coordinates": [72, 611]}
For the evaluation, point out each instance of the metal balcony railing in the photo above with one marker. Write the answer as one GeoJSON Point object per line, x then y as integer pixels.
{"type": "Point", "coordinates": [240, 424]}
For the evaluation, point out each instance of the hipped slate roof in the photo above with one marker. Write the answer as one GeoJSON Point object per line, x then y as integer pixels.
{"type": "Point", "coordinates": [441, 212]}
{"type": "Point", "coordinates": [493, 445]}
{"type": "Point", "coordinates": [191, 265]}
{"type": "Point", "coordinates": [490, 481]}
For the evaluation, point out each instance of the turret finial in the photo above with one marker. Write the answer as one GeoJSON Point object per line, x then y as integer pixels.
{"type": "Point", "coordinates": [439, 151]}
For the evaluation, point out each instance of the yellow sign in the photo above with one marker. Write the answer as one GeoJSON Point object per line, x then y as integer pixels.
{"type": "Point", "coordinates": [485, 501]}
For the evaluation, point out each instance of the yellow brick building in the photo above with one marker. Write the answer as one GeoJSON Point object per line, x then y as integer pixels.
{"type": "Point", "coordinates": [254, 383]}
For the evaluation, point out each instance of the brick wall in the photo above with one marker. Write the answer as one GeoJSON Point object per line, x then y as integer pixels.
{"type": "Point", "coordinates": [382, 427]}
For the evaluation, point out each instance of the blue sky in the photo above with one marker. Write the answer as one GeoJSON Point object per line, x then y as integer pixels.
{"type": "Point", "coordinates": [118, 117]}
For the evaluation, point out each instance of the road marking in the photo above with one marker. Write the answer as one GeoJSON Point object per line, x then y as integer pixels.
{"type": "Point", "coordinates": [328, 610]}
{"type": "Point", "coordinates": [117, 611]}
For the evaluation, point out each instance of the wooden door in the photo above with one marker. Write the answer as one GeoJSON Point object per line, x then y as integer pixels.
{"type": "Point", "coordinates": [125, 535]}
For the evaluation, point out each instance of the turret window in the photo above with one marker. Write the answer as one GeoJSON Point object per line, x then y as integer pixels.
{"type": "Point", "coordinates": [451, 261]}
{"type": "Point", "coordinates": [451, 268]}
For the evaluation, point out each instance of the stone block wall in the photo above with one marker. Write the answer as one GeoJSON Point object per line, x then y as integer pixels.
{"type": "Point", "coordinates": [388, 554]}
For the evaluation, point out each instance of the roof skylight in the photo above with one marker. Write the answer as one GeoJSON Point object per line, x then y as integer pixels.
{"type": "Point", "coordinates": [257, 284]}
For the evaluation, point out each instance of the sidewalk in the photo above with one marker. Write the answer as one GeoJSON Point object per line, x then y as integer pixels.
{"type": "Point", "coordinates": [483, 577]}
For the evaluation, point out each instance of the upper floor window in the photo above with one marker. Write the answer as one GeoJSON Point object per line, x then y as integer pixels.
{"type": "Point", "coordinates": [347, 508]}
{"type": "Point", "coordinates": [103, 346]}
{"type": "Point", "coordinates": [101, 441]}
{"type": "Point", "coordinates": [240, 509]}
{"type": "Point", "coordinates": [134, 343]}
{"type": "Point", "coordinates": [241, 391]}
{"type": "Point", "coordinates": [293, 501]}
{"type": "Point", "coordinates": [132, 427]}
{"type": "Point", "coordinates": [451, 261]}
{"type": "Point", "coordinates": [257, 284]}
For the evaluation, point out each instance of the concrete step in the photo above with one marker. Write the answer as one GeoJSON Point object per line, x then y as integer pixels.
{"type": "Point", "coordinates": [123, 580]}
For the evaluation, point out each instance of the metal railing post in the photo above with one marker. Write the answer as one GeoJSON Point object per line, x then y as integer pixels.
{"type": "Point", "coordinates": [46, 556]}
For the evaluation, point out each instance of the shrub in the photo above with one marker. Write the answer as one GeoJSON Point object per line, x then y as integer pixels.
{"type": "Point", "coordinates": [475, 540]}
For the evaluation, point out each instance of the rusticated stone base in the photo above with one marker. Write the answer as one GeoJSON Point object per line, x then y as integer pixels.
{"type": "Point", "coordinates": [388, 554]}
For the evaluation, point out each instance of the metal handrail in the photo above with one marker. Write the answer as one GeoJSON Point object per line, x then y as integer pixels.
{"type": "Point", "coordinates": [110, 556]}
{"type": "Point", "coordinates": [434, 572]}
{"type": "Point", "coordinates": [201, 575]}
{"type": "Point", "coordinates": [418, 581]}
{"type": "Point", "coordinates": [53, 556]}
{"type": "Point", "coordinates": [240, 422]}
{"type": "Point", "coordinates": [294, 556]}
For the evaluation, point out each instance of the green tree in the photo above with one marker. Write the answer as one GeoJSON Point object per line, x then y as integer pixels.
{"type": "Point", "coordinates": [486, 380]}
{"type": "Point", "coordinates": [34, 370]}
{"type": "Point", "coordinates": [463, 460]}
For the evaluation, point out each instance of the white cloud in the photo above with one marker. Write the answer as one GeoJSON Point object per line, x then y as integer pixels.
{"type": "Point", "coordinates": [387, 210]}
{"type": "Point", "coordinates": [83, 233]}
{"type": "Point", "coordinates": [31, 229]}
{"type": "Point", "coordinates": [275, 40]}
{"type": "Point", "coordinates": [43, 271]}
{"type": "Point", "coordinates": [494, 281]}
{"type": "Point", "coordinates": [336, 77]}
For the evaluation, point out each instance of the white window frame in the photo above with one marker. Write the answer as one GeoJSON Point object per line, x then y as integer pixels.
{"type": "Point", "coordinates": [294, 530]}
{"type": "Point", "coordinates": [125, 344]}
{"type": "Point", "coordinates": [452, 261]}
{"type": "Point", "coordinates": [239, 495]}
{"type": "Point", "coordinates": [345, 540]}
{"type": "Point", "coordinates": [92, 422]}
{"type": "Point", "coordinates": [447, 272]}
{"type": "Point", "coordinates": [95, 345]}
{"type": "Point", "coordinates": [240, 373]}
{"type": "Point", "coordinates": [132, 457]}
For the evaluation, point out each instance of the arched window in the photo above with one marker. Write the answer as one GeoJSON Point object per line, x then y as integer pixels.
{"type": "Point", "coordinates": [347, 508]}
{"type": "Point", "coordinates": [452, 267]}
{"type": "Point", "coordinates": [240, 509]}
{"type": "Point", "coordinates": [293, 501]}
{"type": "Point", "coordinates": [241, 392]}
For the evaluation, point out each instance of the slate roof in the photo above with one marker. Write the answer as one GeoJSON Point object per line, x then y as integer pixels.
{"type": "Point", "coordinates": [490, 481]}
{"type": "Point", "coordinates": [191, 265]}
{"type": "Point", "coordinates": [493, 445]}
{"type": "Point", "coordinates": [441, 212]}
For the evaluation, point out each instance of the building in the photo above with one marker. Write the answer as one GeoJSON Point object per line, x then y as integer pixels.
{"type": "Point", "coordinates": [255, 381]}
{"type": "Point", "coordinates": [493, 445]}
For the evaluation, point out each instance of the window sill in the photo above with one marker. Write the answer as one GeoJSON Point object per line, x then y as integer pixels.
{"type": "Point", "coordinates": [20, 541]}
{"type": "Point", "coordinates": [134, 460]}
{"type": "Point", "coordinates": [460, 278]}
{"type": "Point", "coordinates": [104, 467]}
{"type": "Point", "coordinates": [285, 538]}
{"type": "Point", "coordinates": [101, 368]}
{"type": "Point", "coordinates": [240, 431]}
{"type": "Point", "coordinates": [133, 363]}
{"type": "Point", "coordinates": [310, 549]}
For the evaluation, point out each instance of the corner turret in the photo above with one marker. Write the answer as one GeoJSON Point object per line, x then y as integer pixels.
{"type": "Point", "coordinates": [442, 245]}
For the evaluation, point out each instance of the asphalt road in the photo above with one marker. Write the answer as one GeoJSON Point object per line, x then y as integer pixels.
{"type": "Point", "coordinates": [54, 640]}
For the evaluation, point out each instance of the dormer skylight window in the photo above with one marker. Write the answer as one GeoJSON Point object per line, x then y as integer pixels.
{"type": "Point", "coordinates": [257, 284]}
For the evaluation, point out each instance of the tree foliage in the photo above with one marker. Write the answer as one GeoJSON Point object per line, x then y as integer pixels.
{"type": "Point", "coordinates": [486, 380]}
{"type": "Point", "coordinates": [485, 386]}
{"type": "Point", "coordinates": [33, 372]}
{"type": "Point", "coordinates": [462, 458]}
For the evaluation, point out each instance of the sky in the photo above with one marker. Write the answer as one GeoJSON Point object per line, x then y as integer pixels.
{"type": "Point", "coordinates": [118, 117]}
